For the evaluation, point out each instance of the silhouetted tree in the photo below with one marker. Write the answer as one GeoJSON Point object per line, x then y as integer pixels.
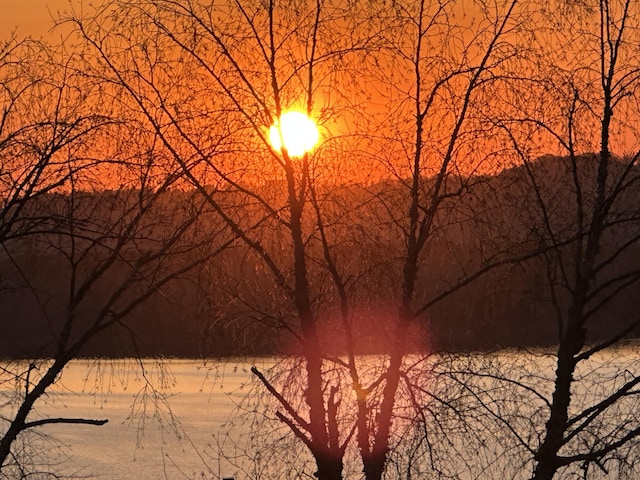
{"type": "Point", "coordinates": [43, 129]}
{"type": "Point", "coordinates": [581, 206]}
{"type": "Point", "coordinates": [396, 90]}
{"type": "Point", "coordinates": [87, 199]}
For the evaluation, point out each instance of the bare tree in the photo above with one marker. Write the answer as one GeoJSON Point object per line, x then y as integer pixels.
{"type": "Point", "coordinates": [580, 204]}
{"type": "Point", "coordinates": [253, 61]}
{"type": "Point", "coordinates": [87, 201]}
{"type": "Point", "coordinates": [428, 148]}
{"type": "Point", "coordinates": [42, 128]}
{"type": "Point", "coordinates": [218, 75]}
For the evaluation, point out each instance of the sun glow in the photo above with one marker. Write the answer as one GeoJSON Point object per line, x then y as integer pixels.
{"type": "Point", "coordinates": [298, 132]}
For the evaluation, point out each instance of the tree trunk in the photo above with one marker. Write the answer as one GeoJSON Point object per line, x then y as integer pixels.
{"type": "Point", "coordinates": [18, 424]}
{"type": "Point", "coordinates": [547, 456]}
{"type": "Point", "coordinates": [375, 460]}
{"type": "Point", "coordinates": [329, 466]}
{"type": "Point", "coordinates": [571, 342]}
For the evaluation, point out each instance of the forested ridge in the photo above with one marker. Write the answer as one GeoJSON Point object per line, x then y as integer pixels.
{"type": "Point", "coordinates": [209, 311]}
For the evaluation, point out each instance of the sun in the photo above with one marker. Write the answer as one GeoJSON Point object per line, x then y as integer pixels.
{"type": "Point", "coordinates": [297, 130]}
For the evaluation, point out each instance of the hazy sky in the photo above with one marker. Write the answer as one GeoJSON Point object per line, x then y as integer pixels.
{"type": "Point", "coordinates": [30, 17]}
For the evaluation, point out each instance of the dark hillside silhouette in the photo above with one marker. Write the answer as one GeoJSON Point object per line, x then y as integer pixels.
{"type": "Point", "coordinates": [194, 315]}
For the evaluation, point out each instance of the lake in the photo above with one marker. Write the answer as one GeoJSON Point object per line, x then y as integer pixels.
{"type": "Point", "coordinates": [171, 433]}
{"type": "Point", "coordinates": [202, 420]}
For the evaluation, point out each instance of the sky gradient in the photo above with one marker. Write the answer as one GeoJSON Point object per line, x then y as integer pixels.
{"type": "Point", "coordinates": [30, 17]}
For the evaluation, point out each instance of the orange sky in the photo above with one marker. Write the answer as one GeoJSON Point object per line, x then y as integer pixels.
{"type": "Point", "coordinates": [30, 17]}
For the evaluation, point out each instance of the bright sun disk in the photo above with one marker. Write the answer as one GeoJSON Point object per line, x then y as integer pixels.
{"type": "Point", "coordinates": [298, 131]}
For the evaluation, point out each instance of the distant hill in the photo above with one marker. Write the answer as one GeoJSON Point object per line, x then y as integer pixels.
{"type": "Point", "coordinates": [229, 306]}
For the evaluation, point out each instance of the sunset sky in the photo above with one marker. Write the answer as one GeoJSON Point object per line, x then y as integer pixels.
{"type": "Point", "coordinates": [30, 17]}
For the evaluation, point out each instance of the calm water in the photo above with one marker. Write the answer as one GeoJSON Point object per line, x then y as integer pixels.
{"type": "Point", "coordinates": [177, 429]}
{"type": "Point", "coordinates": [170, 432]}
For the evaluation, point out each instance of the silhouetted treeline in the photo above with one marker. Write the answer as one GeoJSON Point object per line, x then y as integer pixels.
{"type": "Point", "coordinates": [231, 306]}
